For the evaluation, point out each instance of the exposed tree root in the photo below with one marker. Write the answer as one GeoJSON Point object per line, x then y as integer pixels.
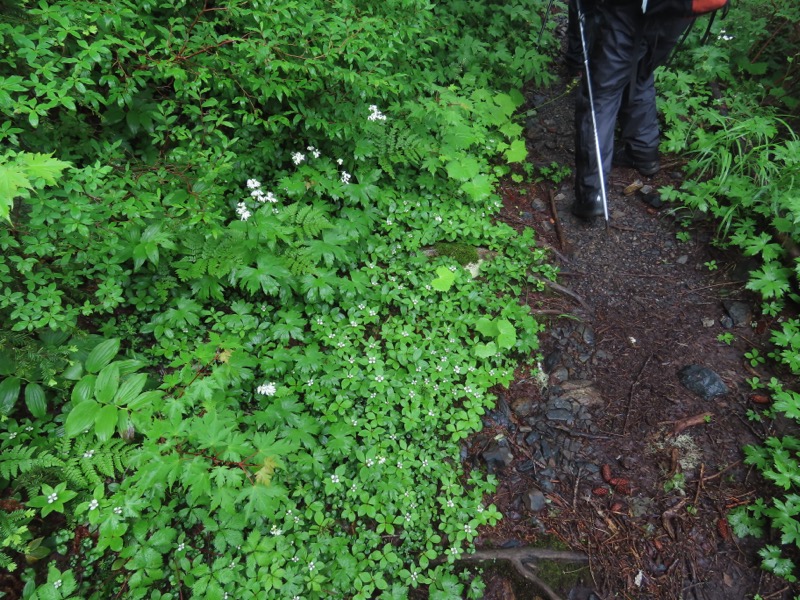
{"type": "Point", "coordinates": [524, 561]}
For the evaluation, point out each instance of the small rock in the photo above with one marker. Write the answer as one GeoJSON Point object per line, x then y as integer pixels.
{"type": "Point", "coordinates": [582, 391]}
{"type": "Point", "coordinates": [559, 414]}
{"type": "Point", "coordinates": [738, 311]}
{"type": "Point", "coordinates": [498, 456]}
{"type": "Point", "coordinates": [560, 375]}
{"type": "Point", "coordinates": [539, 205]}
{"type": "Point", "coordinates": [726, 321]}
{"type": "Point", "coordinates": [532, 438]}
{"type": "Point", "coordinates": [708, 322]}
{"type": "Point", "coordinates": [535, 501]}
{"type": "Point", "coordinates": [702, 381]}
{"type": "Point", "coordinates": [559, 197]}
{"type": "Point", "coordinates": [551, 360]}
{"type": "Point", "coordinates": [522, 406]}
{"type": "Point", "coordinates": [683, 259]}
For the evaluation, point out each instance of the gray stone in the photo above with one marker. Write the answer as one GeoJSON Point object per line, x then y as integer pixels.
{"type": "Point", "coordinates": [498, 456]}
{"type": "Point", "coordinates": [738, 311]}
{"type": "Point", "coordinates": [702, 381]}
{"type": "Point", "coordinates": [532, 438]}
{"type": "Point", "coordinates": [560, 414]}
{"type": "Point", "coordinates": [539, 204]}
{"type": "Point", "coordinates": [551, 361]}
{"type": "Point", "coordinates": [583, 392]}
{"type": "Point", "coordinates": [522, 407]}
{"type": "Point", "coordinates": [726, 322]}
{"type": "Point", "coordinates": [562, 403]}
{"type": "Point", "coordinates": [683, 259]}
{"type": "Point", "coordinates": [535, 501]}
{"type": "Point", "coordinates": [560, 375]}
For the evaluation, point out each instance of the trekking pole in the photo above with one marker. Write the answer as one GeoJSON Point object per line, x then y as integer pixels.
{"type": "Point", "coordinates": [544, 21]}
{"type": "Point", "coordinates": [581, 26]}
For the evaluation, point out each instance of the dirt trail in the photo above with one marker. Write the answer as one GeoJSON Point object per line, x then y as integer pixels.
{"type": "Point", "coordinates": [614, 456]}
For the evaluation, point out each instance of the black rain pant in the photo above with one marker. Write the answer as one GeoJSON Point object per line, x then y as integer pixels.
{"type": "Point", "coordinates": [626, 49]}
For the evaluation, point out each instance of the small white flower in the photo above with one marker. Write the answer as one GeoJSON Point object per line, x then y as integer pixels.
{"type": "Point", "coordinates": [450, 504]}
{"type": "Point", "coordinates": [11, 436]}
{"type": "Point", "coordinates": [93, 504]}
{"type": "Point", "coordinates": [370, 462]}
{"type": "Point", "coordinates": [339, 162]}
{"type": "Point", "coordinates": [181, 546]}
{"type": "Point", "coordinates": [242, 211]}
{"type": "Point", "coordinates": [311, 566]}
{"type": "Point", "coordinates": [375, 114]}
{"type": "Point", "coordinates": [334, 478]}
{"type": "Point", "coordinates": [253, 184]}
{"type": "Point", "coordinates": [52, 498]}
{"type": "Point", "coordinates": [118, 510]}
{"type": "Point", "coordinates": [298, 157]}
{"type": "Point", "coordinates": [345, 177]}
{"type": "Point", "coordinates": [275, 531]}
{"type": "Point", "coordinates": [29, 428]}
{"type": "Point", "coordinates": [57, 583]}
{"type": "Point", "coordinates": [267, 389]}
{"type": "Point", "coordinates": [378, 378]}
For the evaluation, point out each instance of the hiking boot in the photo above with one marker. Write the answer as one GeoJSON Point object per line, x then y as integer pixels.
{"type": "Point", "coordinates": [589, 207]}
{"type": "Point", "coordinates": [648, 168]}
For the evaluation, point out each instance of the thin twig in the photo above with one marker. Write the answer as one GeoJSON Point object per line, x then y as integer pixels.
{"type": "Point", "coordinates": [699, 485]}
{"type": "Point", "coordinates": [567, 292]}
{"type": "Point", "coordinates": [630, 394]}
{"type": "Point", "coordinates": [556, 220]}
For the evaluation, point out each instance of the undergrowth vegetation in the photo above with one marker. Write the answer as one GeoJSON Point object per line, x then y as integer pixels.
{"type": "Point", "coordinates": [239, 343]}
{"type": "Point", "coordinates": [733, 105]}
{"type": "Point", "coordinates": [229, 367]}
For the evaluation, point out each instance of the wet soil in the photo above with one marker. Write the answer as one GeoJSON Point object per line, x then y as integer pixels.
{"type": "Point", "coordinates": [611, 454]}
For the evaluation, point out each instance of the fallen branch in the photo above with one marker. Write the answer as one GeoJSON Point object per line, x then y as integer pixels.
{"type": "Point", "coordinates": [691, 422]}
{"type": "Point", "coordinates": [567, 292]}
{"type": "Point", "coordinates": [521, 558]}
{"type": "Point", "coordinates": [525, 553]}
{"type": "Point", "coordinates": [556, 220]}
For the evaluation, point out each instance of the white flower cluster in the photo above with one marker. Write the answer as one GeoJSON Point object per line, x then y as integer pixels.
{"type": "Point", "coordinates": [375, 114]}
{"type": "Point", "coordinates": [52, 498]}
{"type": "Point", "coordinates": [267, 389]}
{"type": "Point", "coordinates": [243, 212]}
{"type": "Point", "coordinates": [257, 193]}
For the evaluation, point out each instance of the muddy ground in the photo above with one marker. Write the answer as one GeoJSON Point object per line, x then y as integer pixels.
{"type": "Point", "coordinates": [612, 455]}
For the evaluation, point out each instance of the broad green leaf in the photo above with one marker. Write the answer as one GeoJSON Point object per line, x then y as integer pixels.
{"type": "Point", "coordinates": [42, 168]}
{"type": "Point", "coordinates": [463, 169]}
{"type": "Point", "coordinates": [507, 335]}
{"type": "Point", "coordinates": [105, 422]}
{"type": "Point", "coordinates": [517, 152]}
{"type": "Point", "coordinates": [487, 327]}
{"type": "Point", "coordinates": [81, 418]}
{"type": "Point", "coordinates": [485, 350]}
{"type": "Point", "coordinates": [445, 279]}
{"type": "Point", "coordinates": [35, 400]}
{"type": "Point", "coordinates": [145, 400]}
{"type": "Point", "coordinates": [101, 355]}
{"type": "Point", "coordinates": [107, 384]}
{"type": "Point", "coordinates": [9, 393]}
{"type": "Point", "coordinates": [73, 372]}
{"type": "Point", "coordinates": [84, 389]}
{"type": "Point", "coordinates": [130, 388]}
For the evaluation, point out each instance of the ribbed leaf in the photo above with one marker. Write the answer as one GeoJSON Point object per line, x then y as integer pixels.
{"type": "Point", "coordinates": [81, 418]}
{"type": "Point", "coordinates": [35, 400]}
{"type": "Point", "coordinates": [101, 355]}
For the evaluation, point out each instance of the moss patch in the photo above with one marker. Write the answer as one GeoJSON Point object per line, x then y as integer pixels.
{"type": "Point", "coordinates": [463, 254]}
